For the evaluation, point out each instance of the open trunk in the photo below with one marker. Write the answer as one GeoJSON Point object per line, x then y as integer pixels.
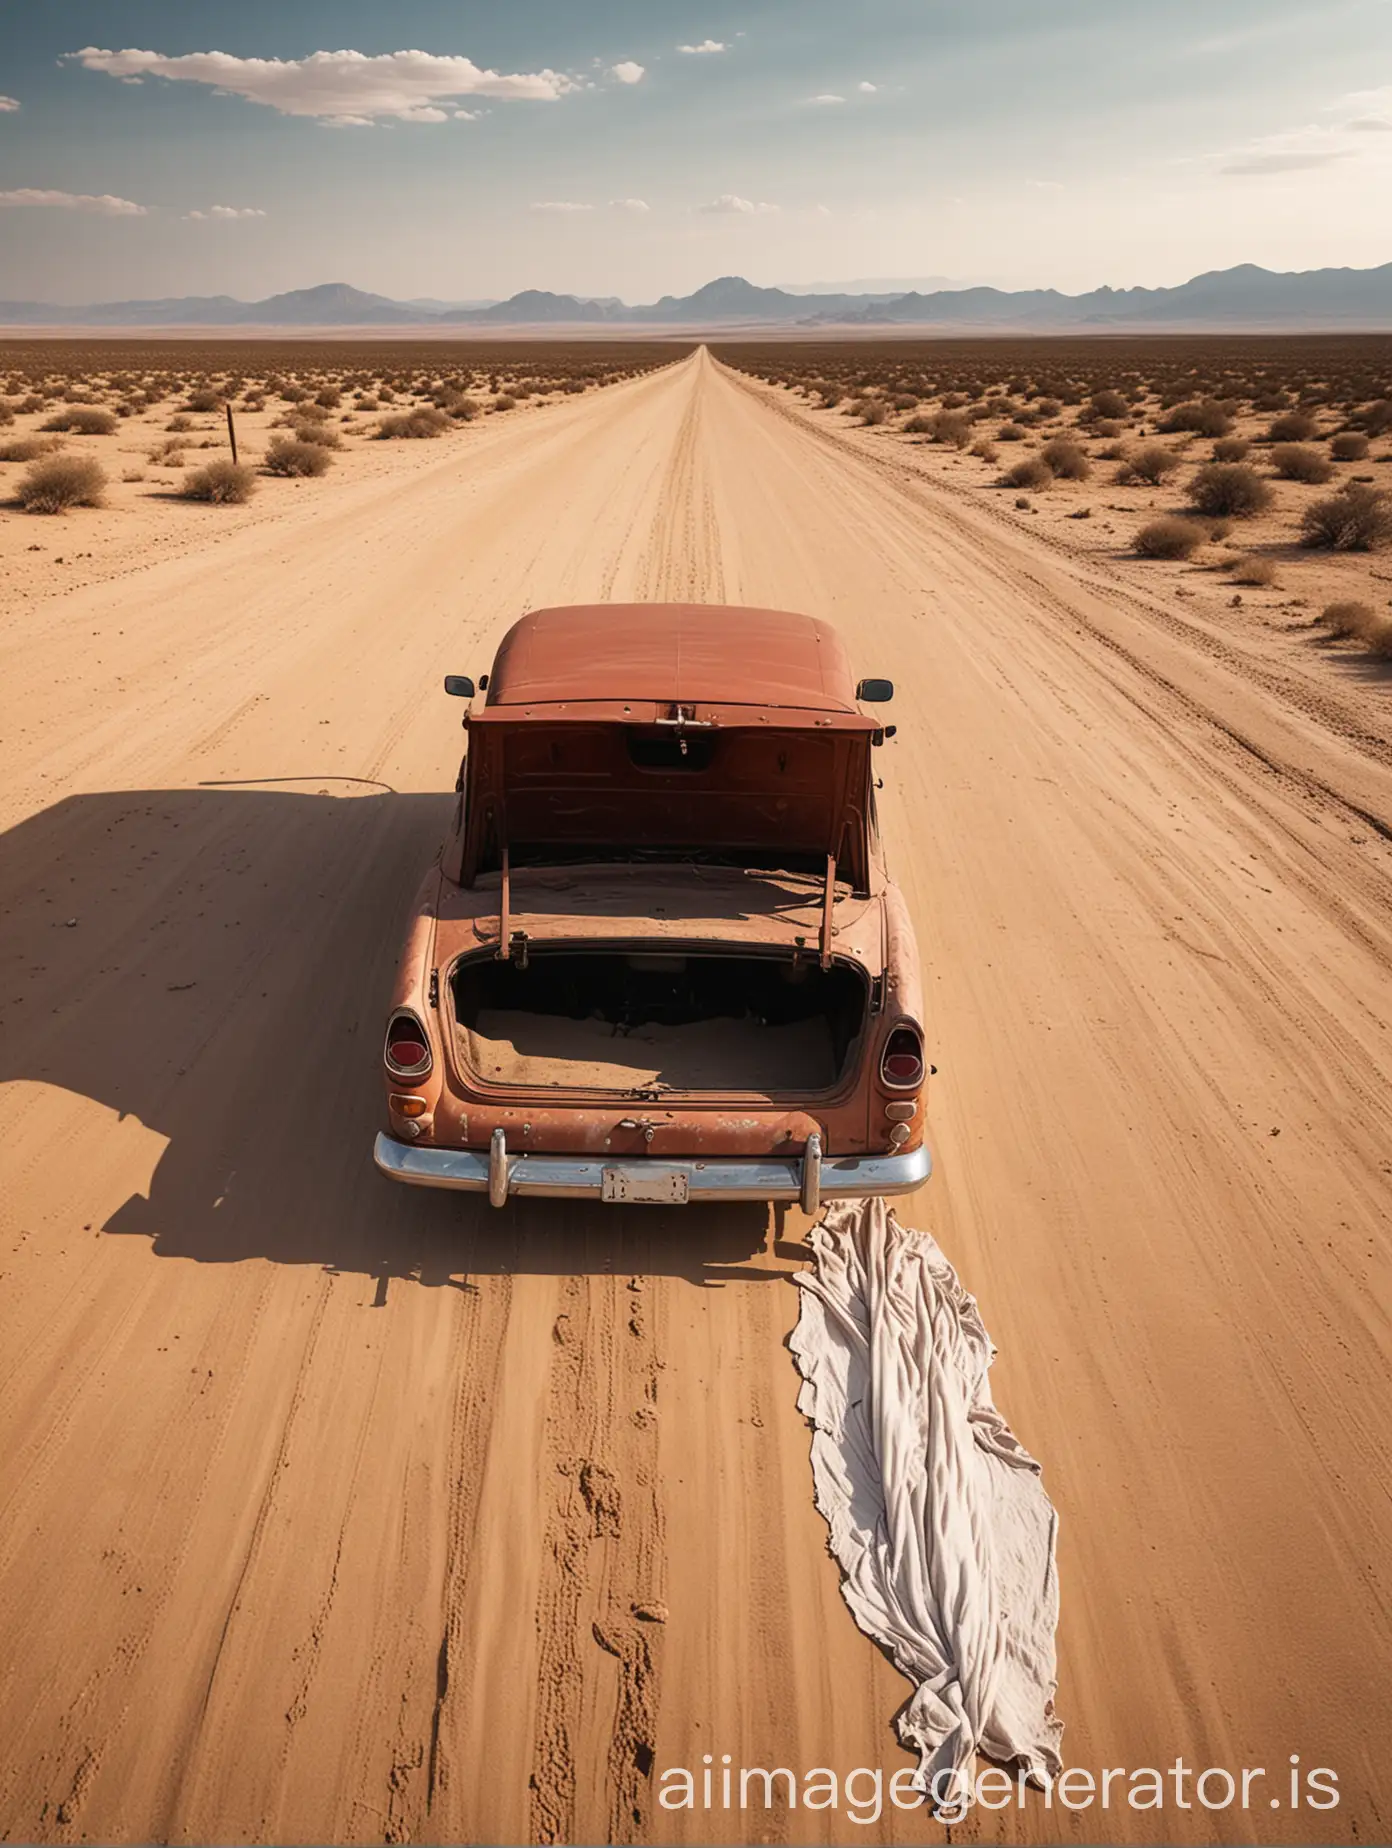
{"type": "Point", "coordinates": [643, 1021]}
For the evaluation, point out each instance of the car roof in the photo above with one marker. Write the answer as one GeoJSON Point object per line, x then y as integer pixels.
{"type": "Point", "coordinates": [689, 652]}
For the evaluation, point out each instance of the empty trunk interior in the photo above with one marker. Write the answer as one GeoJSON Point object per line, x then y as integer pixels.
{"type": "Point", "coordinates": [601, 1020]}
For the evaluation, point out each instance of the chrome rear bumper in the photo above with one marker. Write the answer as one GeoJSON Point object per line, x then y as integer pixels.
{"type": "Point", "coordinates": [577, 1177]}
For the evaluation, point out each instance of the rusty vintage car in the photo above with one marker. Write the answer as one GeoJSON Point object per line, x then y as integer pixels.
{"type": "Point", "coordinates": [659, 957]}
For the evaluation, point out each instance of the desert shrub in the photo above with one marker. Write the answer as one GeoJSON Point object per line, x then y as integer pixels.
{"type": "Point", "coordinates": [1374, 418]}
{"type": "Point", "coordinates": [1356, 519]}
{"type": "Point", "coordinates": [1254, 571]}
{"type": "Point", "coordinates": [918, 425]}
{"type": "Point", "coordinates": [1108, 427]}
{"type": "Point", "coordinates": [984, 449]}
{"type": "Point", "coordinates": [28, 448]}
{"type": "Point", "coordinates": [287, 455]}
{"type": "Point", "coordinates": [60, 482]}
{"type": "Point", "coordinates": [1201, 415]}
{"type": "Point", "coordinates": [1109, 404]}
{"type": "Point", "coordinates": [83, 420]}
{"type": "Point", "coordinates": [225, 483]}
{"type": "Point", "coordinates": [1011, 433]}
{"type": "Point", "coordinates": [309, 411]}
{"type": "Point", "coordinates": [1032, 472]}
{"type": "Point", "coordinates": [506, 402]}
{"type": "Point", "coordinates": [1228, 487]}
{"type": "Point", "coordinates": [419, 423]}
{"type": "Point", "coordinates": [461, 409]}
{"type": "Point", "coordinates": [7, 415]}
{"type": "Point", "coordinates": [1300, 462]}
{"type": "Point", "coordinates": [1347, 618]}
{"type": "Point", "coordinates": [1047, 408]}
{"type": "Point", "coordinates": [869, 410]}
{"type": "Point", "coordinates": [1066, 459]}
{"type": "Point", "coordinates": [316, 433]}
{"type": "Point", "coordinates": [1348, 446]}
{"type": "Point", "coordinates": [1231, 449]}
{"type": "Point", "coordinates": [204, 399]}
{"type": "Point", "coordinates": [904, 400]}
{"type": "Point", "coordinates": [952, 427]}
{"type": "Point", "coordinates": [1150, 464]}
{"type": "Point", "coordinates": [329, 398]}
{"type": "Point", "coordinates": [179, 423]}
{"type": "Point", "coordinates": [169, 453]}
{"type": "Point", "coordinates": [1292, 427]}
{"type": "Point", "coordinates": [1170, 537]}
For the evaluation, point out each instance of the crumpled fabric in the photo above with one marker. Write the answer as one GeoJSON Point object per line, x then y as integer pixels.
{"type": "Point", "coordinates": [937, 1514]}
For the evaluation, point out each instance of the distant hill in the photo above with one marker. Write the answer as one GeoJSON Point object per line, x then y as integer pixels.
{"type": "Point", "coordinates": [1243, 297]}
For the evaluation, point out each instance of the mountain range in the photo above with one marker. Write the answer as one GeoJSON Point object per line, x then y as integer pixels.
{"type": "Point", "coordinates": [1246, 297]}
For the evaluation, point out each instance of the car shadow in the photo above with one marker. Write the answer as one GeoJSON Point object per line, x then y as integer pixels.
{"type": "Point", "coordinates": [216, 962]}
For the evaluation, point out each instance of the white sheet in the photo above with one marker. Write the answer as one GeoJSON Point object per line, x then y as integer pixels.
{"type": "Point", "coordinates": [938, 1517]}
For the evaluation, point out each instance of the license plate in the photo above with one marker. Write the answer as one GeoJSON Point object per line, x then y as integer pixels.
{"type": "Point", "coordinates": [656, 1186]}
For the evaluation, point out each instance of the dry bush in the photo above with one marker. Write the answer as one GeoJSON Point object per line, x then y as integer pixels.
{"type": "Point", "coordinates": [309, 411]}
{"type": "Point", "coordinates": [1201, 415]}
{"type": "Point", "coordinates": [904, 400]}
{"type": "Point", "coordinates": [329, 398]}
{"type": "Point", "coordinates": [1375, 418]}
{"type": "Point", "coordinates": [506, 402]}
{"type": "Point", "coordinates": [917, 426]}
{"type": "Point", "coordinates": [952, 427]}
{"type": "Point", "coordinates": [1011, 433]}
{"type": "Point", "coordinates": [169, 453]}
{"type": "Point", "coordinates": [1150, 464]}
{"type": "Point", "coordinates": [204, 399]}
{"type": "Point", "coordinates": [179, 423]}
{"type": "Point", "coordinates": [1170, 537]}
{"type": "Point", "coordinates": [419, 423]}
{"type": "Point", "coordinates": [1032, 472]}
{"type": "Point", "coordinates": [1292, 427]}
{"type": "Point", "coordinates": [869, 410]}
{"type": "Point", "coordinates": [984, 449]}
{"type": "Point", "coordinates": [1047, 408]}
{"type": "Point", "coordinates": [60, 482]}
{"type": "Point", "coordinates": [83, 420]}
{"type": "Point", "coordinates": [1259, 573]}
{"type": "Point", "coordinates": [225, 483]}
{"type": "Point", "coordinates": [29, 448]}
{"type": "Point", "coordinates": [1233, 488]}
{"type": "Point", "coordinates": [7, 415]}
{"type": "Point", "coordinates": [1108, 427]}
{"type": "Point", "coordinates": [1108, 404]}
{"type": "Point", "coordinates": [1066, 459]}
{"type": "Point", "coordinates": [1231, 449]}
{"type": "Point", "coordinates": [1301, 462]}
{"type": "Point", "coordinates": [1347, 618]}
{"type": "Point", "coordinates": [316, 433]}
{"type": "Point", "coordinates": [287, 455]}
{"type": "Point", "coordinates": [1348, 446]}
{"type": "Point", "coordinates": [1356, 519]}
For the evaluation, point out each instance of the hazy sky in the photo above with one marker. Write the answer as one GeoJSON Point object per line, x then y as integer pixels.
{"type": "Point", "coordinates": [469, 148]}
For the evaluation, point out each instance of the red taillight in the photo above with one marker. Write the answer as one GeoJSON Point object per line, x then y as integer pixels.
{"type": "Point", "coordinates": [901, 1066]}
{"type": "Point", "coordinates": [408, 1050]}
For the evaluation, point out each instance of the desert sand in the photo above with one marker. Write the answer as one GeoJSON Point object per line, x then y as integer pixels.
{"type": "Point", "coordinates": [328, 1505]}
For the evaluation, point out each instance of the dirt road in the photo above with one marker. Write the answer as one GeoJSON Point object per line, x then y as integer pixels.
{"type": "Point", "coordinates": [326, 1505]}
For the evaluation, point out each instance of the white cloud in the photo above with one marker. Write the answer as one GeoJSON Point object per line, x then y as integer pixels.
{"type": "Point", "coordinates": [731, 202]}
{"type": "Point", "coordinates": [630, 205]}
{"type": "Point", "coordinates": [104, 204]}
{"type": "Point", "coordinates": [560, 205]}
{"type": "Point", "coordinates": [826, 97]}
{"type": "Point", "coordinates": [228, 211]}
{"type": "Point", "coordinates": [346, 88]}
{"type": "Point", "coordinates": [704, 49]}
{"type": "Point", "coordinates": [867, 89]}
{"type": "Point", "coordinates": [627, 72]}
{"type": "Point", "coordinates": [1370, 125]}
{"type": "Point", "coordinates": [1292, 162]}
{"type": "Point", "coordinates": [8, 105]}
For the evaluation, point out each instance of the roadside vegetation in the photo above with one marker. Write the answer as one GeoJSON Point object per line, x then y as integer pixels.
{"type": "Point", "coordinates": [1255, 465]}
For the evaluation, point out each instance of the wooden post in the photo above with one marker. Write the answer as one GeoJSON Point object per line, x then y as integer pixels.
{"type": "Point", "coordinates": [231, 433]}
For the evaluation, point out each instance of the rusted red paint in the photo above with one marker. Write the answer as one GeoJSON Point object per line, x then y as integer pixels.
{"type": "Point", "coordinates": [567, 688]}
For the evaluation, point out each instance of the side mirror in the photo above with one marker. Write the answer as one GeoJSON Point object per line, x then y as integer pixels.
{"type": "Point", "coordinates": [876, 691]}
{"type": "Point", "coordinates": [459, 686]}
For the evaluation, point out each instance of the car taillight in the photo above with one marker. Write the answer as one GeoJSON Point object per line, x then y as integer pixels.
{"type": "Point", "coordinates": [408, 1050]}
{"type": "Point", "coordinates": [901, 1066]}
